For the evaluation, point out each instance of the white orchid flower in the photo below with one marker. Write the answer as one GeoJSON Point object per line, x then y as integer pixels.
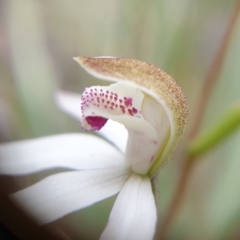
{"type": "Point", "coordinates": [143, 114]}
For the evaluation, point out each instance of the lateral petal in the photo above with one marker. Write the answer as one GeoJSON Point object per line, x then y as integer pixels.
{"type": "Point", "coordinates": [69, 103]}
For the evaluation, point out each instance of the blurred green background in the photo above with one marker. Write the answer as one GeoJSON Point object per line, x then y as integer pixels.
{"type": "Point", "coordinates": [37, 42]}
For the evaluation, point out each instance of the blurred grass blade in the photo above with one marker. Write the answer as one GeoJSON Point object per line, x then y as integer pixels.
{"type": "Point", "coordinates": [226, 125]}
{"type": "Point", "coordinates": [33, 69]}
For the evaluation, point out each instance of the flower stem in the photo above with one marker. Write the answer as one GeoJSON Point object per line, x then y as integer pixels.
{"type": "Point", "coordinates": [209, 84]}
{"type": "Point", "coordinates": [225, 125]}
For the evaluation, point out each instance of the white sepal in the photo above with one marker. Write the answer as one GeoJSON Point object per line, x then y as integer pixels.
{"type": "Point", "coordinates": [134, 213]}
{"type": "Point", "coordinates": [63, 193]}
{"type": "Point", "coordinates": [74, 151]}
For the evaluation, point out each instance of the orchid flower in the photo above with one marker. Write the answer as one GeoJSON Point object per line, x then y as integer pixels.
{"type": "Point", "coordinates": [142, 114]}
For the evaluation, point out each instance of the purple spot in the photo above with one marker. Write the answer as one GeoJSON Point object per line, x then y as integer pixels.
{"type": "Point", "coordinates": [130, 111]}
{"type": "Point", "coordinates": [128, 101]}
{"type": "Point", "coordinates": [96, 122]}
{"type": "Point", "coordinates": [134, 110]}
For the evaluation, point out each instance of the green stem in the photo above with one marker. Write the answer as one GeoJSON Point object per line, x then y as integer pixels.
{"type": "Point", "coordinates": [227, 124]}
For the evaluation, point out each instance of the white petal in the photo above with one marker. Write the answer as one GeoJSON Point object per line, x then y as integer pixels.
{"type": "Point", "coordinates": [134, 213]}
{"type": "Point", "coordinates": [114, 132]}
{"type": "Point", "coordinates": [69, 103]}
{"type": "Point", "coordinates": [63, 193]}
{"type": "Point", "coordinates": [76, 151]}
